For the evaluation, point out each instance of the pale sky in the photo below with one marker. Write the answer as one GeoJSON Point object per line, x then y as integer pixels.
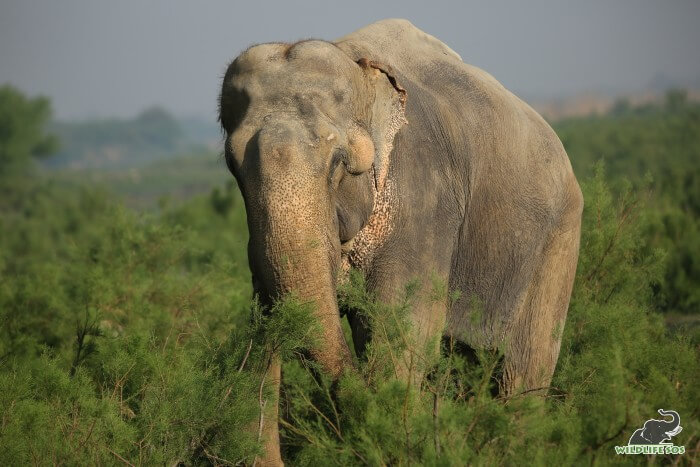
{"type": "Point", "coordinates": [116, 57]}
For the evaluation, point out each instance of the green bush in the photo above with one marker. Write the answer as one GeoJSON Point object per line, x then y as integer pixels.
{"type": "Point", "coordinates": [662, 143]}
{"type": "Point", "coordinates": [111, 329]}
{"type": "Point", "coordinates": [22, 136]}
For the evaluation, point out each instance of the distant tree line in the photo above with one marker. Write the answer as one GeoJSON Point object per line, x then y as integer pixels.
{"type": "Point", "coordinates": [118, 143]}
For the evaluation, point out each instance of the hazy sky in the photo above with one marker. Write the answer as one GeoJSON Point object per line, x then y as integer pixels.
{"type": "Point", "coordinates": [113, 58]}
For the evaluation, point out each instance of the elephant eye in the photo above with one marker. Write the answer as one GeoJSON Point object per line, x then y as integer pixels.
{"type": "Point", "coordinates": [339, 155]}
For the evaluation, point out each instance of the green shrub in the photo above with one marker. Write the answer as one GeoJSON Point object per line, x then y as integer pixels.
{"type": "Point", "coordinates": [111, 328]}
{"type": "Point", "coordinates": [663, 141]}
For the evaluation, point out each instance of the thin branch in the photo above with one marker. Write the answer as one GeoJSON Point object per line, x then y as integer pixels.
{"type": "Point", "coordinates": [120, 457]}
{"type": "Point", "coordinates": [525, 392]}
{"type": "Point", "coordinates": [316, 409]}
{"type": "Point", "coordinates": [82, 443]}
{"type": "Point", "coordinates": [436, 426]}
{"type": "Point", "coordinates": [216, 459]}
{"type": "Point", "coordinates": [262, 404]}
{"type": "Point", "coordinates": [245, 357]}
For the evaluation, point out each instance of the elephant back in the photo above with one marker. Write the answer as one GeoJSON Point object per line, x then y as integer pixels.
{"type": "Point", "coordinates": [414, 55]}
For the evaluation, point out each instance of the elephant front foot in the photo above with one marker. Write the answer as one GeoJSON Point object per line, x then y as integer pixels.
{"type": "Point", "coordinates": [268, 424]}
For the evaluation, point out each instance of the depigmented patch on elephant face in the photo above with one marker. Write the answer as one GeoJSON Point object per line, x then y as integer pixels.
{"type": "Point", "coordinates": [395, 122]}
{"type": "Point", "coordinates": [360, 251]}
{"type": "Point", "coordinates": [373, 234]}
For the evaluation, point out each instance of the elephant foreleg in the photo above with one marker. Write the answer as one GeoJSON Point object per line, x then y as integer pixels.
{"type": "Point", "coordinates": [267, 424]}
{"type": "Point", "coordinates": [532, 349]}
{"type": "Point", "coordinates": [427, 327]}
{"type": "Point", "coordinates": [427, 315]}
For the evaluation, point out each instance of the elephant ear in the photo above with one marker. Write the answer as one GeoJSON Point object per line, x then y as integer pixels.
{"type": "Point", "coordinates": [387, 114]}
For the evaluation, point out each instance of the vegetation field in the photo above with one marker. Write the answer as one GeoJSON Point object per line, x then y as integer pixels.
{"type": "Point", "coordinates": [128, 334]}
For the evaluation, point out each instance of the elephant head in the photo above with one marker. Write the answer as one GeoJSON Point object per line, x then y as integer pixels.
{"type": "Point", "coordinates": [658, 431]}
{"type": "Point", "coordinates": [308, 137]}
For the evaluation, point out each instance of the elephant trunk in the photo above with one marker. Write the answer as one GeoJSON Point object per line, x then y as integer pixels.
{"type": "Point", "coordinates": [294, 246]}
{"type": "Point", "coordinates": [673, 424]}
{"type": "Point", "coordinates": [298, 264]}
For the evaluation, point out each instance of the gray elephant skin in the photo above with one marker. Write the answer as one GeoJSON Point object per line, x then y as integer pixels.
{"type": "Point", "coordinates": [384, 152]}
{"type": "Point", "coordinates": [657, 431]}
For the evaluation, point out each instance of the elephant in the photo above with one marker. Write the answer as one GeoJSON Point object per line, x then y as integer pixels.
{"type": "Point", "coordinates": [383, 152]}
{"type": "Point", "coordinates": [657, 431]}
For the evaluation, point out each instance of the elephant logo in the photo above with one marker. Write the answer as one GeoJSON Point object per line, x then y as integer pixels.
{"type": "Point", "coordinates": [657, 431]}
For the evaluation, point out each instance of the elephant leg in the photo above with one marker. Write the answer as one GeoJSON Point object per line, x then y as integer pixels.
{"type": "Point", "coordinates": [360, 331]}
{"type": "Point", "coordinates": [532, 347]}
{"type": "Point", "coordinates": [268, 425]}
{"type": "Point", "coordinates": [427, 320]}
{"type": "Point", "coordinates": [427, 315]}
{"type": "Point", "coordinates": [428, 330]}
{"type": "Point", "coordinates": [428, 325]}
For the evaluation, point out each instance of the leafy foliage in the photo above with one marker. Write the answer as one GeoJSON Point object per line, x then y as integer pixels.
{"type": "Point", "coordinates": [22, 136]}
{"type": "Point", "coordinates": [661, 144]}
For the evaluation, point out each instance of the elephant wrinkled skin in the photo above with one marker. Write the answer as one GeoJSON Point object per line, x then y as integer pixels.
{"type": "Point", "coordinates": [383, 151]}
